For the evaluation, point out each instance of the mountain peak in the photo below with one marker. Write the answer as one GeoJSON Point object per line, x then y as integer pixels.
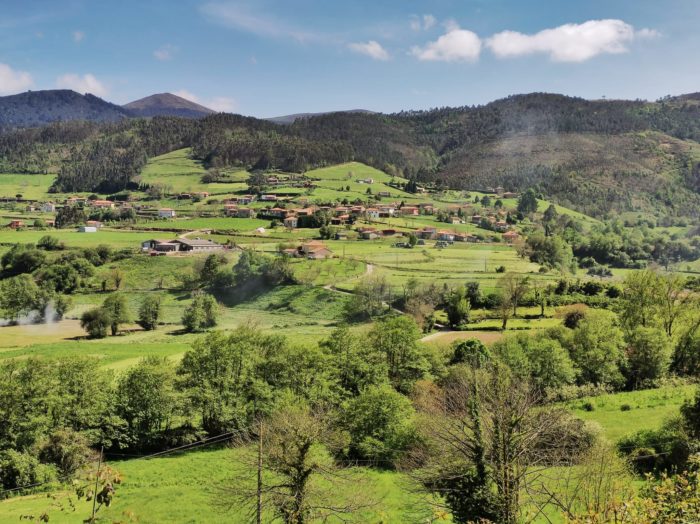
{"type": "Point", "coordinates": [166, 104]}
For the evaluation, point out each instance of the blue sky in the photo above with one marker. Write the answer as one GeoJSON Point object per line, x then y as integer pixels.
{"type": "Point", "coordinates": [274, 57]}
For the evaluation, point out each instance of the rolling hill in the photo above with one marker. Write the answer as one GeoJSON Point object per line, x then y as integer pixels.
{"type": "Point", "coordinates": [35, 108]}
{"type": "Point", "coordinates": [598, 156]}
{"type": "Point", "coordinates": [166, 104]}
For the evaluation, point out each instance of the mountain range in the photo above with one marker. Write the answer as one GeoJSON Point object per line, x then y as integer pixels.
{"type": "Point", "coordinates": [596, 156]}
{"type": "Point", "coordinates": [36, 108]}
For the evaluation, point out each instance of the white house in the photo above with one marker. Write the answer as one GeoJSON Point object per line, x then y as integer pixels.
{"type": "Point", "coordinates": [166, 212]}
{"type": "Point", "coordinates": [87, 229]}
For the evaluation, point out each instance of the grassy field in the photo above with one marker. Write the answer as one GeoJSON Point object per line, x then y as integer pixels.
{"type": "Point", "coordinates": [179, 172]}
{"type": "Point", "coordinates": [31, 187]}
{"type": "Point", "coordinates": [185, 489]}
{"type": "Point", "coordinates": [648, 409]}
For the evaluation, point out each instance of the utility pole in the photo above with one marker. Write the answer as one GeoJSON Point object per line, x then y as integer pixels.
{"type": "Point", "coordinates": [97, 479]}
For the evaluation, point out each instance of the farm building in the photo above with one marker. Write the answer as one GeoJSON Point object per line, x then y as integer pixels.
{"type": "Point", "coordinates": [15, 224]}
{"type": "Point", "coordinates": [291, 222]}
{"type": "Point", "coordinates": [48, 207]}
{"type": "Point", "coordinates": [102, 204]}
{"type": "Point", "coordinates": [511, 236]}
{"type": "Point", "coordinates": [166, 212]}
{"type": "Point", "coordinates": [181, 245]}
{"type": "Point", "coordinates": [87, 229]}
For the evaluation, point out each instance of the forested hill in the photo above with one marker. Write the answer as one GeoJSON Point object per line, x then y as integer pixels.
{"type": "Point", "coordinates": [597, 156]}
{"type": "Point", "coordinates": [35, 108]}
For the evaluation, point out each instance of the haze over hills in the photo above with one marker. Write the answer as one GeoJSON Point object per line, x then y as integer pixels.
{"type": "Point", "coordinates": [166, 104]}
{"type": "Point", "coordinates": [290, 119]}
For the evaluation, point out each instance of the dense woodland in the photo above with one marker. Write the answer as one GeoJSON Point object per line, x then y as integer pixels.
{"type": "Point", "coordinates": [610, 155]}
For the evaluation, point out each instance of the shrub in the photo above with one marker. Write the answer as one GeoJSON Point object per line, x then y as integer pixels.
{"type": "Point", "coordinates": [201, 314]}
{"type": "Point", "coordinates": [380, 423]}
{"type": "Point", "coordinates": [150, 312]}
{"type": "Point", "coordinates": [96, 322]}
{"type": "Point", "coordinates": [67, 450]}
{"type": "Point", "coordinates": [588, 406]}
{"type": "Point", "coordinates": [19, 469]}
{"type": "Point", "coordinates": [471, 351]}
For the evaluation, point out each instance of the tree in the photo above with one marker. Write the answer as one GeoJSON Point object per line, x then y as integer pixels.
{"type": "Point", "coordinates": [596, 347]}
{"type": "Point", "coordinates": [354, 364]}
{"type": "Point", "coordinates": [147, 400]}
{"type": "Point", "coordinates": [20, 297]}
{"type": "Point", "coordinates": [639, 304]}
{"type": "Point", "coordinates": [478, 433]}
{"type": "Point", "coordinates": [22, 258]}
{"type": "Point", "coordinates": [201, 314]}
{"type": "Point", "coordinates": [549, 219]}
{"type": "Point", "coordinates": [514, 287]}
{"type": "Point", "coordinates": [117, 277]}
{"type": "Point", "coordinates": [457, 307]}
{"type": "Point", "coordinates": [297, 475]}
{"type": "Point", "coordinates": [369, 298]}
{"type": "Point", "coordinates": [472, 352]}
{"type": "Point", "coordinates": [222, 379]}
{"type": "Point", "coordinates": [117, 310]}
{"type": "Point", "coordinates": [60, 278]}
{"type": "Point", "coordinates": [397, 338]}
{"type": "Point", "coordinates": [380, 424]}
{"type": "Point", "coordinates": [96, 322]}
{"type": "Point", "coordinates": [149, 312]}
{"type": "Point", "coordinates": [527, 202]}
{"type": "Point", "coordinates": [648, 355]}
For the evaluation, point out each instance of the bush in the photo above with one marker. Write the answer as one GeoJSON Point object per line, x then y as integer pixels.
{"type": "Point", "coordinates": [19, 469]}
{"type": "Point", "coordinates": [588, 406]}
{"type": "Point", "coordinates": [625, 407]}
{"type": "Point", "coordinates": [67, 450]}
{"type": "Point", "coordinates": [201, 314]}
{"type": "Point", "coordinates": [96, 322]}
{"type": "Point", "coordinates": [380, 423]}
{"type": "Point", "coordinates": [150, 312]}
{"type": "Point", "coordinates": [472, 352]}
{"type": "Point", "coordinates": [50, 243]}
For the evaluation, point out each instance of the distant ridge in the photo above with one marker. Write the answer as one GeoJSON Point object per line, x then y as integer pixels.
{"type": "Point", "coordinates": [290, 119]}
{"type": "Point", "coordinates": [35, 108]}
{"type": "Point", "coordinates": [166, 104]}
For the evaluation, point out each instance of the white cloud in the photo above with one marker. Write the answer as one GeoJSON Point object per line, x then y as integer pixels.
{"type": "Point", "coordinates": [457, 45]}
{"type": "Point", "coordinates": [647, 33]}
{"type": "Point", "coordinates": [164, 52]}
{"type": "Point", "coordinates": [424, 22]}
{"type": "Point", "coordinates": [221, 104]}
{"type": "Point", "coordinates": [187, 95]}
{"type": "Point", "coordinates": [12, 81]}
{"type": "Point", "coordinates": [82, 84]}
{"type": "Point", "coordinates": [78, 36]}
{"type": "Point", "coordinates": [372, 49]}
{"type": "Point", "coordinates": [239, 17]}
{"type": "Point", "coordinates": [569, 42]}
